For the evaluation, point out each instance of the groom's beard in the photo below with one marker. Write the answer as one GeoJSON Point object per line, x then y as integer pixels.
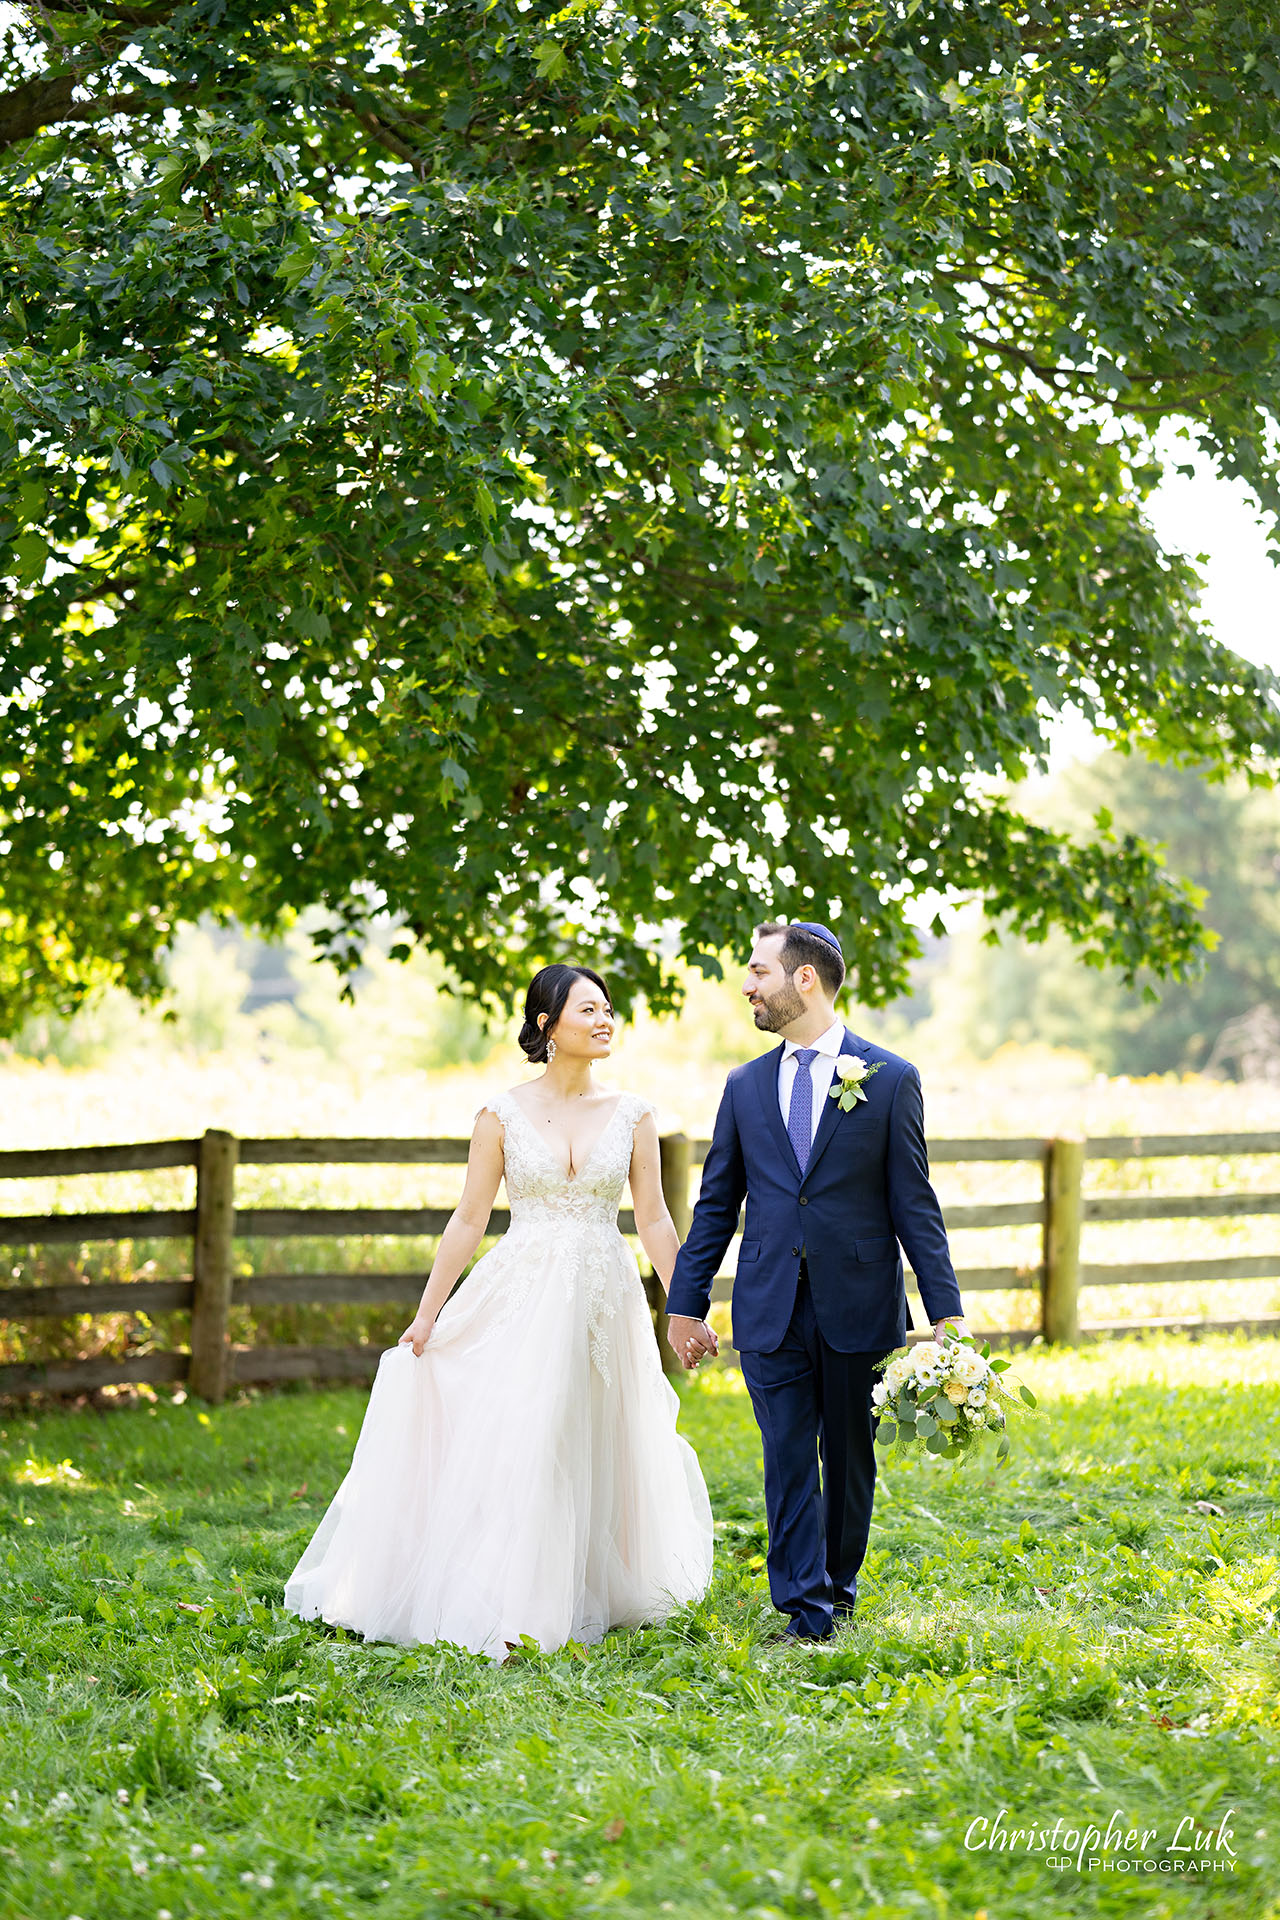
{"type": "Point", "coordinates": [773, 1013]}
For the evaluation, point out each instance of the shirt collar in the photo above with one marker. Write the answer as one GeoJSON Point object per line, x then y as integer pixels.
{"type": "Point", "coordinates": [829, 1042]}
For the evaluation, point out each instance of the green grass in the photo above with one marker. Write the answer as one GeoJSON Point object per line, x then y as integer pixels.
{"type": "Point", "coordinates": [1070, 1636]}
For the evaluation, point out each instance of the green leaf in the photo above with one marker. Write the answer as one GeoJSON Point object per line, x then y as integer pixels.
{"type": "Point", "coordinates": [886, 1433]}
{"type": "Point", "coordinates": [1026, 1394]}
{"type": "Point", "coordinates": [297, 264]}
{"type": "Point", "coordinates": [31, 555]}
{"type": "Point", "coordinates": [551, 60]}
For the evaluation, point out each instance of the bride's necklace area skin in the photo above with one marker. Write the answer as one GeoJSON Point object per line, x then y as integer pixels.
{"type": "Point", "coordinates": [564, 1102]}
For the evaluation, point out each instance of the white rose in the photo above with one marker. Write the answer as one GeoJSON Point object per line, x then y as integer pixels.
{"type": "Point", "coordinates": [978, 1397]}
{"type": "Point", "coordinates": [969, 1367]}
{"type": "Point", "coordinates": [896, 1372]}
{"type": "Point", "coordinates": [850, 1066]}
{"type": "Point", "coordinates": [924, 1358]}
{"type": "Point", "coordinates": [879, 1394]}
{"type": "Point", "coordinates": [977, 1418]}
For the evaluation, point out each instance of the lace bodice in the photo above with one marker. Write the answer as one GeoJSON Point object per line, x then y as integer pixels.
{"type": "Point", "coordinates": [537, 1185]}
{"type": "Point", "coordinates": [564, 1228]}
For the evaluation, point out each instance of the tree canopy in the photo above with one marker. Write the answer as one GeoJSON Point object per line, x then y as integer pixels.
{"type": "Point", "coordinates": [554, 474]}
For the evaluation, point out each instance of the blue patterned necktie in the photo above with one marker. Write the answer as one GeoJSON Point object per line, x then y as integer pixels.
{"type": "Point", "coordinates": [800, 1117]}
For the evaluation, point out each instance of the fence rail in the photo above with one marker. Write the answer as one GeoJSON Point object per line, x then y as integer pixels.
{"type": "Point", "coordinates": [215, 1222]}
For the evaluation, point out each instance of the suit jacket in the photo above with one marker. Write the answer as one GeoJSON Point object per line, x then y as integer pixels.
{"type": "Point", "coordinates": [865, 1190]}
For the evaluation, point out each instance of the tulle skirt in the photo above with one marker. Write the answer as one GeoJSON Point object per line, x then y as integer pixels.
{"type": "Point", "coordinates": [524, 1474]}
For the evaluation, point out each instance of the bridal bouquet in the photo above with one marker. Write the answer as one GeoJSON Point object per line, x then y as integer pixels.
{"type": "Point", "coordinates": [943, 1397]}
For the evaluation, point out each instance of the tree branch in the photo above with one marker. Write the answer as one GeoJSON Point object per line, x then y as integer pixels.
{"type": "Point", "coordinates": [383, 134]}
{"type": "Point", "coordinates": [131, 16]}
{"type": "Point", "coordinates": [1062, 379]}
{"type": "Point", "coordinates": [47, 101]}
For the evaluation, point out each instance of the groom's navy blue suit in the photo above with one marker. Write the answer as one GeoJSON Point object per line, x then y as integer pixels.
{"type": "Point", "coordinates": [818, 1298]}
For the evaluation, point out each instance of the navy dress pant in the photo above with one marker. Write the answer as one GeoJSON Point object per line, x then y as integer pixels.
{"type": "Point", "coordinates": [813, 1407]}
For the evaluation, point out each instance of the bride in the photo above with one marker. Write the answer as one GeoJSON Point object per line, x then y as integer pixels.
{"type": "Point", "coordinates": [519, 1471]}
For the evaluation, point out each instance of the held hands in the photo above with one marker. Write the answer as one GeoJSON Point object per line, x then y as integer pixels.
{"type": "Point", "coordinates": [691, 1339]}
{"type": "Point", "coordinates": [955, 1324]}
{"type": "Point", "coordinates": [416, 1334]}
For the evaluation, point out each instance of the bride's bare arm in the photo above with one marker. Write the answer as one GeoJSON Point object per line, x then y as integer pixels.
{"type": "Point", "coordinates": [465, 1230]}
{"type": "Point", "coordinates": [654, 1224]}
{"type": "Point", "coordinates": [660, 1240]}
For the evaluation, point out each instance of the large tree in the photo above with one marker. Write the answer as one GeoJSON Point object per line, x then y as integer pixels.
{"type": "Point", "coordinates": [549, 474]}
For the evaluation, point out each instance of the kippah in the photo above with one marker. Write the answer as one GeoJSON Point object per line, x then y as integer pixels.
{"type": "Point", "coordinates": [819, 933]}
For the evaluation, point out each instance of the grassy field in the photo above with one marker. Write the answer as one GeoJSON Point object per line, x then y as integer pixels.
{"type": "Point", "coordinates": [1090, 1630]}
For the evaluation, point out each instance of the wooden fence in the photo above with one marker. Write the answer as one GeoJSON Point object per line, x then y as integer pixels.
{"type": "Point", "coordinates": [215, 1223]}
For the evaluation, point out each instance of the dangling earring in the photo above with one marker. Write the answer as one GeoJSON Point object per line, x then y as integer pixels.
{"type": "Point", "coordinates": [551, 1051]}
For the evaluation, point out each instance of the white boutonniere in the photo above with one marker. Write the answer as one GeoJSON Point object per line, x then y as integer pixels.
{"type": "Point", "coordinates": [852, 1074]}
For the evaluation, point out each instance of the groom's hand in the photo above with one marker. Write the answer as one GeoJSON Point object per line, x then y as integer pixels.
{"type": "Point", "coordinates": [690, 1339]}
{"type": "Point", "coordinates": [956, 1324]}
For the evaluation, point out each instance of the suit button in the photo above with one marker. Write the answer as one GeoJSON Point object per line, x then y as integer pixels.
{"type": "Point", "coordinates": [804, 1199]}
{"type": "Point", "coordinates": [795, 1250]}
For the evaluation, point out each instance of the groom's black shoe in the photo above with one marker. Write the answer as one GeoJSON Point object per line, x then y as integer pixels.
{"type": "Point", "coordinates": [796, 1636]}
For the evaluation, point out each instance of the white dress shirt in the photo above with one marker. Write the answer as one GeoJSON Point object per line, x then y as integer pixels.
{"type": "Point", "coordinates": [821, 1072]}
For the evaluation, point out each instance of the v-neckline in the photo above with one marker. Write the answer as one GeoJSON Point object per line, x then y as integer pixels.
{"type": "Point", "coordinates": [570, 1179]}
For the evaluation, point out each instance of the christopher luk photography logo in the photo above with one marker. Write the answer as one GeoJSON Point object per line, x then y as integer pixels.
{"type": "Point", "coordinates": [1182, 1844]}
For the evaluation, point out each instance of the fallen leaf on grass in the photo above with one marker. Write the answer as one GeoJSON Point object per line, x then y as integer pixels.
{"type": "Point", "coordinates": [301, 1490]}
{"type": "Point", "coordinates": [1207, 1506]}
{"type": "Point", "coordinates": [615, 1829]}
{"type": "Point", "coordinates": [193, 1606]}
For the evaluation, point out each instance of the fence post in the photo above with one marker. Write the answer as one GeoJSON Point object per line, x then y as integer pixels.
{"type": "Point", "coordinates": [211, 1264]}
{"type": "Point", "coordinates": [675, 1150]}
{"type": "Point", "coordinates": [1063, 1211]}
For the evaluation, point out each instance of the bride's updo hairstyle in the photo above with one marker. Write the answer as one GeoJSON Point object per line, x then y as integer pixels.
{"type": "Point", "coordinates": [548, 991]}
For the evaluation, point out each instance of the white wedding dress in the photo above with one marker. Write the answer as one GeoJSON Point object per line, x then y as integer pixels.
{"type": "Point", "coordinates": [524, 1474]}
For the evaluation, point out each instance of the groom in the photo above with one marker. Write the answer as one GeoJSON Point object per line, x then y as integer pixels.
{"type": "Point", "coordinates": [818, 1296]}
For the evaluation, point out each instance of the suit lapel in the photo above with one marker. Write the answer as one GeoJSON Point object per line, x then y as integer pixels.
{"type": "Point", "coordinates": [766, 1078]}
{"type": "Point", "coordinates": [831, 1112]}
